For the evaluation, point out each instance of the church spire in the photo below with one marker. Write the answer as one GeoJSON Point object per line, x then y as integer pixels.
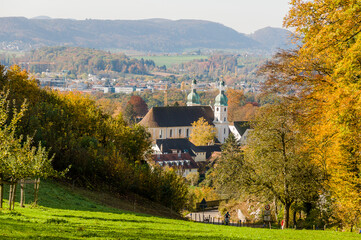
{"type": "Point", "coordinates": [221, 114]}
{"type": "Point", "coordinates": [193, 97]}
{"type": "Point", "coordinates": [221, 99]}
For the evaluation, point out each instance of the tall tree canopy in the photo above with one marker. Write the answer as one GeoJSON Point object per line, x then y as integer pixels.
{"type": "Point", "coordinates": [323, 76]}
{"type": "Point", "coordinates": [274, 164]}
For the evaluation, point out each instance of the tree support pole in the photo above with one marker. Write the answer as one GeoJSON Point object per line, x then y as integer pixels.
{"type": "Point", "coordinates": [22, 193]}
{"type": "Point", "coordinates": [10, 195]}
{"type": "Point", "coordinates": [1, 194]}
{"type": "Point", "coordinates": [14, 194]}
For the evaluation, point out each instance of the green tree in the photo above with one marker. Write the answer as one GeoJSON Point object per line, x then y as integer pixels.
{"type": "Point", "coordinates": [228, 167]}
{"type": "Point", "coordinates": [277, 160]}
{"type": "Point", "coordinates": [19, 159]}
{"type": "Point", "coordinates": [275, 163]}
{"type": "Point", "coordinates": [129, 114]}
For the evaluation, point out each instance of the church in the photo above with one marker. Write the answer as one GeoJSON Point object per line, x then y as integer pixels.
{"type": "Point", "coordinates": [176, 121]}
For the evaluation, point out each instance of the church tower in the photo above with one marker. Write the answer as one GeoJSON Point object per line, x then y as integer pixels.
{"type": "Point", "coordinates": [193, 97]}
{"type": "Point", "coordinates": [221, 114]}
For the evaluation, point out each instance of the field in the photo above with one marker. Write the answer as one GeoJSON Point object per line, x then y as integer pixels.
{"type": "Point", "coordinates": [169, 60]}
{"type": "Point", "coordinates": [64, 214]}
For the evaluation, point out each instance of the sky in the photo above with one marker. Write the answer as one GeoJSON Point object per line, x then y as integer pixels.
{"type": "Point", "coordinates": [245, 16]}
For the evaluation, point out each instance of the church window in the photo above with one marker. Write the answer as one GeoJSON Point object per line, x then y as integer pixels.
{"type": "Point", "coordinates": [225, 109]}
{"type": "Point", "coordinates": [224, 131]}
{"type": "Point", "coordinates": [160, 134]}
{"type": "Point", "coordinates": [170, 133]}
{"type": "Point", "coordinates": [224, 118]}
{"type": "Point", "coordinates": [217, 109]}
{"type": "Point", "coordinates": [180, 132]}
{"type": "Point", "coordinates": [187, 132]}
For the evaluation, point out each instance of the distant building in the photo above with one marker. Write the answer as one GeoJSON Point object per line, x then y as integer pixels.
{"type": "Point", "coordinates": [52, 82]}
{"type": "Point", "coordinates": [176, 121]}
{"type": "Point", "coordinates": [182, 163]}
{"type": "Point", "coordinates": [126, 90]}
{"type": "Point", "coordinates": [183, 145]}
{"type": "Point", "coordinates": [173, 152]}
{"type": "Point", "coordinates": [240, 130]}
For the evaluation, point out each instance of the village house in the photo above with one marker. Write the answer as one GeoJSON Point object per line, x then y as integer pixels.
{"type": "Point", "coordinates": [182, 163]}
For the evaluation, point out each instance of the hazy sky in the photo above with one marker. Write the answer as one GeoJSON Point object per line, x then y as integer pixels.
{"type": "Point", "coordinates": [245, 16]}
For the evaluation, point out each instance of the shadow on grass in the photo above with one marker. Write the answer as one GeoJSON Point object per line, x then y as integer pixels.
{"type": "Point", "coordinates": [54, 195]}
{"type": "Point", "coordinates": [18, 229]}
{"type": "Point", "coordinates": [109, 219]}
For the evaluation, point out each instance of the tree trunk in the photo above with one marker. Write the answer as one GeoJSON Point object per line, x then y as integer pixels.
{"type": "Point", "coordinates": [10, 195]}
{"type": "Point", "coordinates": [14, 194]}
{"type": "Point", "coordinates": [22, 194]}
{"type": "Point", "coordinates": [276, 209]}
{"type": "Point", "coordinates": [1, 194]}
{"type": "Point", "coordinates": [36, 190]}
{"type": "Point", "coordinates": [287, 215]}
{"type": "Point", "coordinates": [294, 217]}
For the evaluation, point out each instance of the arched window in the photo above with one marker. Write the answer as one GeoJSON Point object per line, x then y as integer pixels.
{"type": "Point", "coordinates": [187, 132]}
{"type": "Point", "coordinates": [179, 132]}
{"type": "Point", "coordinates": [170, 133]}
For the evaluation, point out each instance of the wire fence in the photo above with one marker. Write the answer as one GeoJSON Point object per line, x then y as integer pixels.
{"type": "Point", "coordinates": [204, 218]}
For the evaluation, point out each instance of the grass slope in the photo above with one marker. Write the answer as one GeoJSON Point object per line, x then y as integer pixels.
{"type": "Point", "coordinates": [63, 214]}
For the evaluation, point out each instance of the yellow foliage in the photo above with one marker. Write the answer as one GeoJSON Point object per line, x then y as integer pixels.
{"type": "Point", "coordinates": [325, 72]}
{"type": "Point", "coordinates": [202, 133]}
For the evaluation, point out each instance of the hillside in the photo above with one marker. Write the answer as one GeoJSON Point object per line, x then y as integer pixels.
{"type": "Point", "coordinates": [273, 38]}
{"type": "Point", "coordinates": [150, 35]}
{"type": "Point", "coordinates": [79, 60]}
{"type": "Point", "coordinates": [65, 214]}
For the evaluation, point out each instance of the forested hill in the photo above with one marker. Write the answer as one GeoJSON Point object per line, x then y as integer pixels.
{"type": "Point", "coordinates": [79, 60]}
{"type": "Point", "coordinates": [273, 38]}
{"type": "Point", "coordinates": [155, 35]}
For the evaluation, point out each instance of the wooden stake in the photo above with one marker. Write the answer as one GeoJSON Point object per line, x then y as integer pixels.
{"type": "Point", "coordinates": [22, 194]}
{"type": "Point", "coordinates": [1, 194]}
{"type": "Point", "coordinates": [14, 194]}
{"type": "Point", "coordinates": [10, 195]}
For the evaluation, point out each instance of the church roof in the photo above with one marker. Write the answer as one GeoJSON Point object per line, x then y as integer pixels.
{"type": "Point", "coordinates": [177, 116]}
{"type": "Point", "coordinates": [185, 146]}
{"type": "Point", "coordinates": [241, 126]}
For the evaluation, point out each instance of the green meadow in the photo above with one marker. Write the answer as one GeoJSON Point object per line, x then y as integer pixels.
{"type": "Point", "coordinates": [170, 60]}
{"type": "Point", "coordinates": [65, 214]}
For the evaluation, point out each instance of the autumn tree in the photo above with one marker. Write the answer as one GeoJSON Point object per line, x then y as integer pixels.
{"type": "Point", "coordinates": [102, 150]}
{"type": "Point", "coordinates": [275, 163]}
{"type": "Point", "coordinates": [139, 105]}
{"type": "Point", "coordinates": [236, 100]}
{"type": "Point", "coordinates": [193, 178]}
{"type": "Point", "coordinates": [202, 133]}
{"type": "Point", "coordinates": [322, 76]}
